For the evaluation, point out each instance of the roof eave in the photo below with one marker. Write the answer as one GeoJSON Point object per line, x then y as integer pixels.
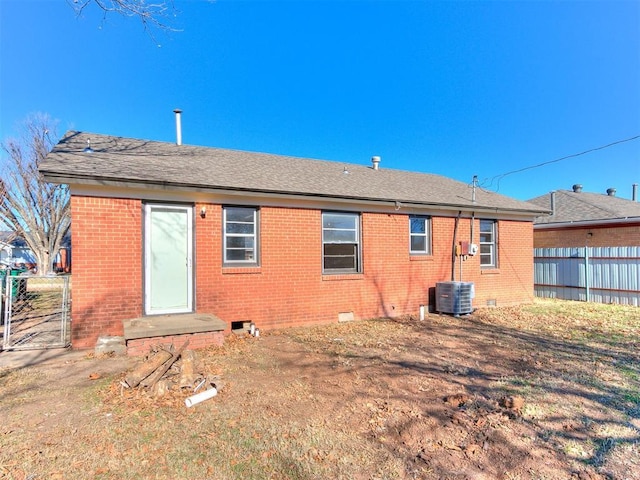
{"type": "Point", "coordinates": [87, 180]}
{"type": "Point", "coordinates": [586, 223]}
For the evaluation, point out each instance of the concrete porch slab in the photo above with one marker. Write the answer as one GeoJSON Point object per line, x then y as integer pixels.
{"type": "Point", "coordinates": [165, 325]}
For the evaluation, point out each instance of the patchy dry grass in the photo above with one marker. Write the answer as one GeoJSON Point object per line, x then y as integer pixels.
{"type": "Point", "coordinates": [362, 400]}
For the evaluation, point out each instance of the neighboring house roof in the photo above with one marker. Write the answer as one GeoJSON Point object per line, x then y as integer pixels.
{"type": "Point", "coordinates": [16, 241]}
{"type": "Point", "coordinates": [11, 238]}
{"type": "Point", "coordinates": [571, 208]}
{"type": "Point", "coordinates": [125, 161]}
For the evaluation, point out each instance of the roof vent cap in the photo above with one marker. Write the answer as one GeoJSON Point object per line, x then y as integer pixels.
{"type": "Point", "coordinates": [577, 188]}
{"type": "Point", "coordinates": [376, 162]}
{"type": "Point", "coordinates": [611, 192]}
{"type": "Point", "coordinates": [178, 113]}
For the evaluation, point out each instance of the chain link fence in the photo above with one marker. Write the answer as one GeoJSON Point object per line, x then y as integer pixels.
{"type": "Point", "coordinates": [35, 311]}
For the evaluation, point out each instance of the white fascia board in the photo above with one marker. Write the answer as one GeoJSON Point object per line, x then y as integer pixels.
{"type": "Point", "coordinates": [161, 193]}
{"type": "Point", "coordinates": [586, 223]}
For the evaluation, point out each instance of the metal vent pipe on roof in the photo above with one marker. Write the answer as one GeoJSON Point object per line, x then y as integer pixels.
{"type": "Point", "coordinates": [177, 111]}
{"type": "Point", "coordinates": [553, 203]}
{"type": "Point", "coordinates": [611, 192]}
{"type": "Point", "coordinates": [634, 192]}
{"type": "Point", "coordinates": [577, 188]}
{"type": "Point", "coordinates": [376, 162]}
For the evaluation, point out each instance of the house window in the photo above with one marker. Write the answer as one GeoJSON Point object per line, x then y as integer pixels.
{"type": "Point", "coordinates": [340, 242]}
{"type": "Point", "coordinates": [488, 243]}
{"type": "Point", "coordinates": [420, 235]}
{"type": "Point", "coordinates": [240, 239]}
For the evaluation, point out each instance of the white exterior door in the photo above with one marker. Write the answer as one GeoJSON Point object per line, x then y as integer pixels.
{"type": "Point", "coordinates": [168, 259]}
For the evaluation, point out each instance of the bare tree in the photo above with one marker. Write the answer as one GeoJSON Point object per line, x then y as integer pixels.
{"type": "Point", "coordinates": [32, 208]}
{"type": "Point", "coordinates": [152, 14]}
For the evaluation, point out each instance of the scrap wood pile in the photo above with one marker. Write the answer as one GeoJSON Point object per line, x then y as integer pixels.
{"type": "Point", "coordinates": [167, 370]}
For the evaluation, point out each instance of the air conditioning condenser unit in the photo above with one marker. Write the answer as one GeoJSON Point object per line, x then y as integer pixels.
{"type": "Point", "coordinates": [454, 297]}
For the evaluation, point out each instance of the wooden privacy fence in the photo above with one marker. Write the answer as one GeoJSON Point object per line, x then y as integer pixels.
{"type": "Point", "coordinates": [591, 274]}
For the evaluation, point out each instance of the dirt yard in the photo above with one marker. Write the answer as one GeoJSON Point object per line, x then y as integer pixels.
{"type": "Point", "coordinates": [544, 391]}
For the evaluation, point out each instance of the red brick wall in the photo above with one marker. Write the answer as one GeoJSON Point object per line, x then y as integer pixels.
{"type": "Point", "coordinates": [511, 282]}
{"type": "Point", "coordinates": [605, 236]}
{"type": "Point", "coordinates": [288, 288]}
{"type": "Point", "coordinates": [107, 261]}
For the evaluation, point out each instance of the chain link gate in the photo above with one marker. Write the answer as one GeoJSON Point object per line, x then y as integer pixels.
{"type": "Point", "coordinates": [35, 312]}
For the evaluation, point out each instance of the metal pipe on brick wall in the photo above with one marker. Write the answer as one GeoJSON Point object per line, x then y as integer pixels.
{"type": "Point", "coordinates": [453, 247]}
{"type": "Point", "coordinates": [473, 220]}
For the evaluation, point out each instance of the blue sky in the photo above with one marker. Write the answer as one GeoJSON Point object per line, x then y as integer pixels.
{"type": "Point", "coordinates": [454, 88]}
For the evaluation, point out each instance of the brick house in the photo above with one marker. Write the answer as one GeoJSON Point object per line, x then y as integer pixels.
{"type": "Point", "coordinates": [581, 219]}
{"type": "Point", "coordinates": [169, 239]}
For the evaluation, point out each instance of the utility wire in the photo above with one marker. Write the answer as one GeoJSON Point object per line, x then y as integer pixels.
{"type": "Point", "coordinates": [501, 176]}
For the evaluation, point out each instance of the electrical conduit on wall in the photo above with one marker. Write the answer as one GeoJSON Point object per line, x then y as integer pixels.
{"type": "Point", "coordinates": [453, 247]}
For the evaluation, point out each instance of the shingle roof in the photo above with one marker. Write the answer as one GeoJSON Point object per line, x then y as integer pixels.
{"type": "Point", "coordinates": [573, 206]}
{"type": "Point", "coordinates": [117, 159]}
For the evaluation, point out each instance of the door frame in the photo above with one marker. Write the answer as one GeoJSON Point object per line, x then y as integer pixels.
{"type": "Point", "coordinates": [189, 209]}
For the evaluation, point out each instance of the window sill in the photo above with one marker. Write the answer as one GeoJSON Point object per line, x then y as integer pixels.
{"type": "Point", "coordinates": [342, 276]}
{"type": "Point", "coordinates": [490, 271]}
{"type": "Point", "coordinates": [421, 258]}
{"type": "Point", "coordinates": [240, 270]}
